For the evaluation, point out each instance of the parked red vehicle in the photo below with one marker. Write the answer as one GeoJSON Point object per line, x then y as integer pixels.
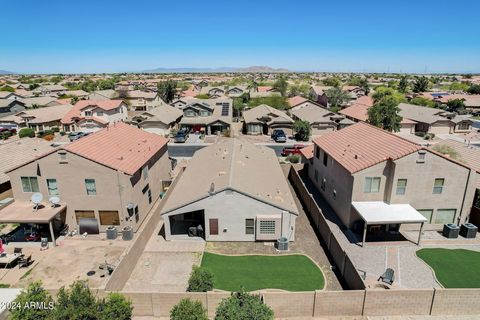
{"type": "Point", "coordinates": [295, 149]}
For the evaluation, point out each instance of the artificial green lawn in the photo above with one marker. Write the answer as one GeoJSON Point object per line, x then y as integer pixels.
{"type": "Point", "coordinates": [292, 272]}
{"type": "Point", "coordinates": [458, 268]}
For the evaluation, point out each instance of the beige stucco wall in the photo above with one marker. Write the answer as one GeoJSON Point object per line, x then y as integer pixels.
{"type": "Point", "coordinates": [231, 210]}
{"type": "Point", "coordinates": [441, 127]}
{"type": "Point", "coordinates": [114, 189]}
{"type": "Point", "coordinates": [458, 190]}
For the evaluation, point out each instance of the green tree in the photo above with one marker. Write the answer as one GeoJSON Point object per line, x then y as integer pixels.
{"type": "Point", "coordinates": [243, 306]}
{"type": "Point", "coordinates": [456, 105]}
{"type": "Point", "coordinates": [336, 97]}
{"type": "Point", "coordinates": [252, 86]}
{"type": "Point", "coordinates": [296, 89]}
{"type": "Point", "coordinates": [420, 84]}
{"type": "Point", "coordinates": [201, 280]}
{"type": "Point", "coordinates": [384, 114]}
{"type": "Point", "coordinates": [107, 84]}
{"type": "Point", "coordinates": [332, 82]}
{"type": "Point", "coordinates": [34, 293]}
{"type": "Point", "coordinates": [277, 102]}
{"type": "Point", "coordinates": [26, 132]}
{"type": "Point", "coordinates": [360, 82]}
{"type": "Point", "coordinates": [459, 86]}
{"type": "Point", "coordinates": [115, 307]}
{"type": "Point", "coordinates": [167, 90]}
{"type": "Point", "coordinates": [474, 89]}
{"type": "Point", "coordinates": [403, 84]}
{"type": "Point", "coordinates": [382, 92]}
{"type": "Point", "coordinates": [76, 303]}
{"type": "Point", "coordinates": [188, 309]}
{"type": "Point", "coordinates": [302, 130]}
{"type": "Point", "coordinates": [421, 101]}
{"type": "Point", "coordinates": [74, 100]}
{"type": "Point", "coordinates": [281, 86]}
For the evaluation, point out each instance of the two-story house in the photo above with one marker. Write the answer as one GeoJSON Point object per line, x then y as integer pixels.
{"type": "Point", "coordinates": [210, 116]}
{"type": "Point", "coordinates": [110, 178]}
{"type": "Point", "coordinates": [92, 115]}
{"type": "Point", "coordinates": [143, 101]}
{"type": "Point", "coordinates": [372, 177]}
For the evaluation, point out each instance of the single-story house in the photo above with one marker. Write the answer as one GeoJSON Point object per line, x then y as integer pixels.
{"type": "Point", "coordinates": [10, 106]}
{"type": "Point", "coordinates": [263, 119]}
{"type": "Point", "coordinates": [231, 191]}
{"type": "Point", "coordinates": [38, 102]}
{"type": "Point", "coordinates": [321, 120]}
{"type": "Point", "coordinates": [160, 120]}
{"type": "Point", "coordinates": [38, 119]}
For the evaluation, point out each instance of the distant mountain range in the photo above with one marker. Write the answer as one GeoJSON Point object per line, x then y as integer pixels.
{"type": "Point", "coordinates": [6, 72]}
{"type": "Point", "coordinates": [253, 69]}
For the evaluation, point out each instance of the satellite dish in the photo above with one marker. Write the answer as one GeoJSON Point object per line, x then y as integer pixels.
{"type": "Point", "coordinates": [54, 200]}
{"type": "Point", "coordinates": [36, 198]}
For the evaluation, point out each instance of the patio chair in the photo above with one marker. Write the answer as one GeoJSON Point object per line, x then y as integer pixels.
{"type": "Point", "coordinates": [17, 251]}
{"type": "Point", "coordinates": [388, 276]}
{"type": "Point", "coordinates": [25, 262]}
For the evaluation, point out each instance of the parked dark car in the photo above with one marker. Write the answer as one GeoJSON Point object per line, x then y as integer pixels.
{"type": "Point", "coordinates": [181, 136]}
{"type": "Point", "coordinates": [279, 135]}
{"type": "Point", "coordinates": [295, 149]}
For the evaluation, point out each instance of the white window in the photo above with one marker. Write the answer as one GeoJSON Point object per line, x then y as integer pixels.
{"type": "Point", "coordinates": [267, 227]}
{"type": "Point", "coordinates": [145, 172]}
{"type": "Point", "coordinates": [463, 126]}
{"type": "Point", "coordinates": [401, 186]}
{"type": "Point", "coordinates": [29, 184]}
{"type": "Point", "coordinates": [249, 226]}
{"type": "Point", "coordinates": [372, 185]}
{"type": "Point", "coordinates": [91, 187]}
{"type": "Point", "coordinates": [438, 186]}
{"type": "Point", "coordinates": [88, 113]}
{"type": "Point", "coordinates": [52, 187]}
{"type": "Point", "coordinates": [445, 216]}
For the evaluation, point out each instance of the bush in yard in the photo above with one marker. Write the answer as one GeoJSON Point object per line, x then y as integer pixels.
{"type": "Point", "coordinates": [115, 307]}
{"type": "Point", "coordinates": [34, 293]}
{"type": "Point", "coordinates": [293, 158]}
{"type": "Point", "coordinates": [62, 133]}
{"type": "Point", "coordinates": [55, 129]}
{"type": "Point", "coordinates": [243, 306]}
{"type": "Point", "coordinates": [188, 309]}
{"type": "Point", "coordinates": [26, 132]}
{"type": "Point", "coordinates": [201, 280]}
{"type": "Point", "coordinates": [302, 130]}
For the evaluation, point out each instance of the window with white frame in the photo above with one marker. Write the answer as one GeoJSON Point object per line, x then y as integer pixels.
{"type": "Point", "coordinates": [438, 185]}
{"type": "Point", "coordinates": [52, 187]}
{"type": "Point", "coordinates": [91, 187]}
{"type": "Point", "coordinates": [249, 226]}
{"type": "Point", "coordinates": [401, 186]}
{"type": "Point", "coordinates": [29, 184]}
{"type": "Point", "coordinates": [372, 185]}
{"type": "Point", "coordinates": [267, 227]}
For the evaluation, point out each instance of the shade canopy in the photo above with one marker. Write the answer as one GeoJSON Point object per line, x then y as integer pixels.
{"type": "Point", "coordinates": [23, 212]}
{"type": "Point", "coordinates": [379, 212]}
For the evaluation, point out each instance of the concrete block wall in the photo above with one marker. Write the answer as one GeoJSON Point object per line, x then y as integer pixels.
{"type": "Point", "coordinates": [162, 303]}
{"type": "Point", "coordinates": [456, 301]}
{"type": "Point", "coordinates": [290, 304]}
{"type": "Point", "coordinates": [398, 302]}
{"type": "Point", "coordinates": [213, 299]}
{"type": "Point", "coordinates": [339, 303]}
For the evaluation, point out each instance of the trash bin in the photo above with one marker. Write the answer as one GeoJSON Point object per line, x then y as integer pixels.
{"type": "Point", "coordinates": [112, 233]}
{"type": "Point", "coordinates": [468, 230]}
{"type": "Point", "coordinates": [282, 244]}
{"type": "Point", "coordinates": [127, 233]}
{"type": "Point", "coordinates": [450, 231]}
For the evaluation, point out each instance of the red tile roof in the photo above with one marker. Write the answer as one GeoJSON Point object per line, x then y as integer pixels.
{"type": "Point", "coordinates": [119, 146]}
{"type": "Point", "coordinates": [264, 88]}
{"type": "Point", "coordinates": [361, 145]}
{"type": "Point", "coordinates": [307, 152]}
{"type": "Point", "coordinates": [358, 109]}
{"type": "Point", "coordinates": [293, 101]}
{"type": "Point", "coordinates": [77, 108]}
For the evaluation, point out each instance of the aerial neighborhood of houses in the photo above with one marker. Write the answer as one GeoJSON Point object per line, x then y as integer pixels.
{"type": "Point", "coordinates": [300, 186]}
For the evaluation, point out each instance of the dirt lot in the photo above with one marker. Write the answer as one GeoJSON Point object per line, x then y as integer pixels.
{"type": "Point", "coordinates": [62, 265]}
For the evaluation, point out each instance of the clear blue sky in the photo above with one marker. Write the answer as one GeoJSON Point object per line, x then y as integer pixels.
{"type": "Point", "coordinates": [54, 36]}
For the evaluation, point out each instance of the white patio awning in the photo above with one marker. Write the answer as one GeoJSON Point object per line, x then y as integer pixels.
{"type": "Point", "coordinates": [379, 212]}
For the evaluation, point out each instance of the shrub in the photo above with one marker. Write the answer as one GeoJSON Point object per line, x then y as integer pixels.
{"type": "Point", "coordinates": [62, 133]}
{"type": "Point", "coordinates": [429, 136]}
{"type": "Point", "coordinates": [243, 306]}
{"type": "Point", "coordinates": [302, 130]}
{"type": "Point", "coordinates": [115, 307]}
{"type": "Point", "coordinates": [293, 158]}
{"type": "Point", "coordinates": [202, 96]}
{"type": "Point", "coordinates": [34, 293]}
{"type": "Point", "coordinates": [201, 280]}
{"type": "Point", "coordinates": [5, 135]}
{"type": "Point", "coordinates": [55, 129]}
{"type": "Point", "coordinates": [187, 309]}
{"type": "Point", "coordinates": [26, 132]}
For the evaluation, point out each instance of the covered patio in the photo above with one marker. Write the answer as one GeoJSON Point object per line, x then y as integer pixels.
{"type": "Point", "coordinates": [378, 213]}
{"type": "Point", "coordinates": [23, 212]}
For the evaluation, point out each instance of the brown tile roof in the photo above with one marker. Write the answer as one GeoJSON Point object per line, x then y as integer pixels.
{"type": "Point", "coordinates": [307, 152]}
{"type": "Point", "coordinates": [294, 101]}
{"type": "Point", "coordinates": [119, 146]}
{"type": "Point", "coordinates": [361, 145]}
{"type": "Point", "coordinates": [102, 104]}
{"type": "Point", "coordinates": [358, 109]}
